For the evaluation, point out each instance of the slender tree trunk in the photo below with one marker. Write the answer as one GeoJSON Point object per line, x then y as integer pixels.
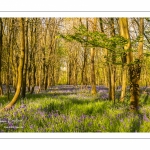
{"type": "Point", "coordinates": [34, 47]}
{"type": "Point", "coordinates": [20, 68]}
{"type": "Point", "coordinates": [16, 63]}
{"type": "Point", "coordinates": [8, 73]}
{"type": "Point", "coordinates": [75, 68]}
{"type": "Point", "coordinates": [124, 81]}
{"type": "Point", "coordinates": [93, 84]}
{"type": "Point", "coordinates": [13, 64]}
{"type": "Point", "coordinates": [1, 39]}
{"type": "Point", "coordinates": [127, 56]}
{"type": "Point", "coordinates": [112, 70]}
{"type": "Point", "coordinates": [53, 75]}
{"type": "Point", "coordinates": [67, 74]}
{"type": "Point", "coordinates": [46, 77]}
{"type": "Point", "coordinates": [26, 63]}
{"type": "Point", "coordinates": [93, 80]}
{"type": "Point", "coordinates": [84, 68]}
{"type": "Point", "coordinates": [33, 78]}
{"type": "Point", "coordinates": [29, 76]}
{"type": "Point", "coordinates": [112, 67]}
{"type": "Point", "coordinates": [40, 70]}
{"type": "Point", "coordinates": [107, 77]}
{"type": "Point", "coordinates": [70, 72]}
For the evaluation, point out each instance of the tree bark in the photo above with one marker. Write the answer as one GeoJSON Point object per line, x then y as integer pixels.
{"type": "Point", "coordinates": [93, 80]}
{"type": "Point", "coordinates": [33, 78]}
{"type": "Point", "coordinates": [135, 71]}
{"type": "Point", "coordinates": [93, 84]}
{"type": "Point", "coordinates": [34, 47]}
{"type": "Point", "coordinates": [127, 56]}
{"type": "Point", "coordinates": [23, 94]}
{"type": "Point", "coordinates": [112, 67]}
{"type": "Point", "coordinates": [1, 39]}
{"type": "Point", "coordinates": [84, 68]}
{"type": "Point", "coordinates": [20, 68]}
{"type": "Point", "coordinates": [46, 77]}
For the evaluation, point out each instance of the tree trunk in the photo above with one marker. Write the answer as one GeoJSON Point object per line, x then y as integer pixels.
{"type": "Point", "coordinates": [20, 68]}
{"type": "Point", "coordinates": [26, 64]}
{"type": "Point", "coordinates": [46, 77]}
{"type": "Point", "coordinates": [135, 71]}
{"type": "Point", "coordinates": [84, 68]}
{"type": "Point", "coordinates": [112, 67]}
{"type": "Point", "coordinates": [124, 82]}
{"type": "Point", "coordinates": [70, 72]}
{"type": "Point", "coordinates": [112, 72]}
{"type": "Point", "coordinates": [29, 76]}
{"type": "Point", "coordinates": [75, 69]}
{"type": "Point", "coordinates": [127, 56]}
{"type": "Point", "coordinates": [33, 78]}
{"type": "Point", "coordinates": [93, 84]}
{"type": "Point", "coordinates": [34, 47]}
{"type": "Point", "coordinates": [8, 73]}
{"type": "Point", "coordinates": [93, 80]}
{"type": "Point", "coordinates": [1, 39]}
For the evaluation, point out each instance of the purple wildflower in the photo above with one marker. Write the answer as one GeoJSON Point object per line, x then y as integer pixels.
{"type": "Point", "coordinates": [5, 120]}
{"type": "Point", "coordinates": [118, 115]}
{"type": "Point", "coordinates": [42, 114]}
{"type": "Point", "coordinates": [31, 126]}
{"type": "Point", "coordinates": [49, 115]}
{"type": "Point", "coordinates": [64, 117]}
{"type": "Point", "coordinates": [145, 118]}
{"type": "Point", "coordinates": [90, 124]}
{"type": "Point", "coordinates": [23, 106]}
{"type": "Point", "coordinates": [56, 114]}
{"type": "Point", "coordinates": [79, 120]}
{"type": "Point", "coordinates": [83, 116]}
{"type": "Point", "coordinates": [10, 124]}
{"type": "Point", "coordinates": [103, 95]}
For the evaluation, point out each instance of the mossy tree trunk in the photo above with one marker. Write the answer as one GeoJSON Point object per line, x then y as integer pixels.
{"type": "Point", "coordinates": [9, 47]}
{"type": "Point", "coordinates": [1, 39]}
{"type": "Point", "coordinates": [135, 71]}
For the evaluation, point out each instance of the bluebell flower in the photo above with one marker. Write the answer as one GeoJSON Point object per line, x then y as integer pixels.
{"type": "Point", "coordinates": [145, 118]}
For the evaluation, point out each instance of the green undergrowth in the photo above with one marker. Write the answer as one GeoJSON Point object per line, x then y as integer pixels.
{"type": "Point", "coordinates": [73, 113]}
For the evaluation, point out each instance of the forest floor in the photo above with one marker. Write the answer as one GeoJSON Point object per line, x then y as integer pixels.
{"type": "Point", "coordinates": [68, 108]}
